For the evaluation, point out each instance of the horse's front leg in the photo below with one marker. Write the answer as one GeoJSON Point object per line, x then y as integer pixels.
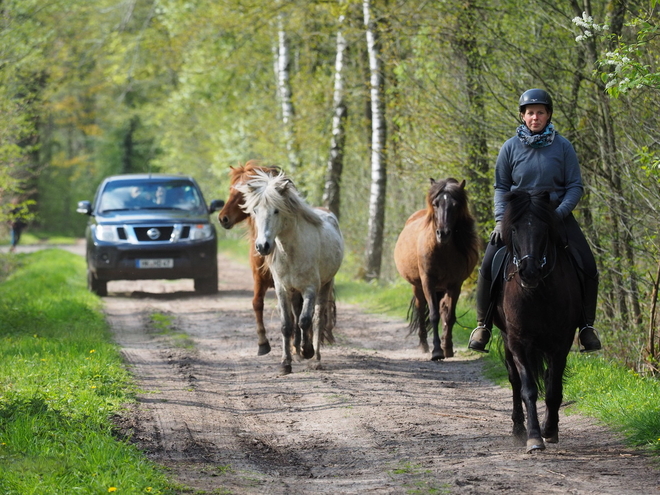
{"type": "Point", "coordinates": [287, 324]}
{"type": "Point", "coordinates": [305, 321]}
{"type": "Point", "coordinates": [530, 393]}
{"type": "Point", "coordinates": [553, 398]}
{"type": "Point", "coordinates": [420, 318]}
{"type": "Point", "coordinates": [296, 306]}
{"type": "Point", "coordinates": [518, 415]}
{"type": "Point", "coordinates": [448, 317]}
{"type": "Point", "coordinates": [432, 300]}
{"type": "Point", "coordinates": [260, 288]}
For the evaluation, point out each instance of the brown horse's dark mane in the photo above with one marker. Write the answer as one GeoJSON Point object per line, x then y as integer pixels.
{"type": "Point", "coordinates": [465, 233]}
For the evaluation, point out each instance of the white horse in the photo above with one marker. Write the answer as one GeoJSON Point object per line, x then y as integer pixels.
{"type": "Point", "coordinates": [304, 249]}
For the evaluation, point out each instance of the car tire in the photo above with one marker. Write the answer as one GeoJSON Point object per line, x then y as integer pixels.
{"type": "Point", "coordinates": [98, 287]}
{"type": "Point", "coordinates": [208, 285]}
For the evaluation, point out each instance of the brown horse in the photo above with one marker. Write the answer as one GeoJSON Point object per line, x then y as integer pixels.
{"type": "Point", "coordinates": [436, 251]}
{"type": "Point", "coordinates": [233, 213]}
{"type": "Point", "coordinates": [538, 311]}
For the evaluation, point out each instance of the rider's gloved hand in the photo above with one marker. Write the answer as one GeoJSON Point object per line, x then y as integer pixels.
{"type": "Point", "coordinates": [496, 234]}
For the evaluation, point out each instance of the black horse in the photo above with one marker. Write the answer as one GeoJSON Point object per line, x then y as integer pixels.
{"type": "Point", "coordinates": [538, 311]}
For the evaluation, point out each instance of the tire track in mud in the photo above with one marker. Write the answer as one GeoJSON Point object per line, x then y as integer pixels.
{"type": "Point", "coordinates": [378, 418]}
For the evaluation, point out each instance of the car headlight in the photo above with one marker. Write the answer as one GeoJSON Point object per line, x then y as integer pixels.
{"type": "Point", "coordinates": [106, 233]}
{"type": "Point", "coordinates": [201, 231]}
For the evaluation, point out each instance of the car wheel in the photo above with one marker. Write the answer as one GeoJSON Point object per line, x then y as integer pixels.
{"type": "Point", "coordinates": [208, 285]}
{"type": "Point", "coordinates": [98, 287]}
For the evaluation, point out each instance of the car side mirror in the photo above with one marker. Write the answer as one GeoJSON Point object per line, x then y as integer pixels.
{"type": "Point", "coordinates": [216, 205]}
{"type": "Point", "coordinates": [84, 207]}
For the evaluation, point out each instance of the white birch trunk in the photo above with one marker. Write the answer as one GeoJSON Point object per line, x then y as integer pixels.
{"type": "Point", "coordinates": [282, 67]}
{"type": "Point", "coordinates": [374, 251]}
{"type": "Point", "coordinates": [331, 192]}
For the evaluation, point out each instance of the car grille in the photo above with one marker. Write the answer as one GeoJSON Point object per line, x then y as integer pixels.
{"type": "Point", "coordinates": [153, 233]}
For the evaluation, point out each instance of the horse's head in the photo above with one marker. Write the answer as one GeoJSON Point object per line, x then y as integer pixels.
{"type": "Point", "coordinates": [233, 213]}
{"type": "Point", "coordinates": [530, 234]}
{"type": "Point", "coordinates": [268, 200]}
{"type": "Point", "coordinates": [446, 202]}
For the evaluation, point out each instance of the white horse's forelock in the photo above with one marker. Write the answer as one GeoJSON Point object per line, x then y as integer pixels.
{"type": "Point", "coordinates": [278, 192]}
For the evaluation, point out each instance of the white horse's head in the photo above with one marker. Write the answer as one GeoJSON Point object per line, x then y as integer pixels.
{"type": "Point", "coordinates": [269, 200]}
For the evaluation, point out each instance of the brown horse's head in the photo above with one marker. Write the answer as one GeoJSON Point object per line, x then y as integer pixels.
{"type": "Point", "coordinates": [232, 213]}
{"type": "Point", "coordinates": [447, 206]}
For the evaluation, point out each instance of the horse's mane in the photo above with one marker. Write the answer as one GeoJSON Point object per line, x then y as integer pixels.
{"type": "Point", "coordinates": [243, 173]}
{"type": "Point", "coordinates": [278, 192]}
{"type": "Point", "coordinates": [465, 234]}
{"type": "Point", "coordinates": [537, 202]}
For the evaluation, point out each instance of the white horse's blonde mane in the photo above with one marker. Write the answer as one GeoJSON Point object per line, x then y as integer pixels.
{"type": "Point", "coordinates": [279, 192]}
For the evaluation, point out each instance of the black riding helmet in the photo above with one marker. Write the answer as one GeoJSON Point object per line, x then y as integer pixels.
{"type": "Point", "coordinates": [535, 97]}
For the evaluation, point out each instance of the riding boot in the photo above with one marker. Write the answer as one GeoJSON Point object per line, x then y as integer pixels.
{"type": "Point", "coordinates": [588, 337]}
{"type": "Point", "coordinates": [481, 335]}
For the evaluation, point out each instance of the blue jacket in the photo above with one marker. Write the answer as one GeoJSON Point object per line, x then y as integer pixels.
{"type": "Point", "coordinates": [554, 168]}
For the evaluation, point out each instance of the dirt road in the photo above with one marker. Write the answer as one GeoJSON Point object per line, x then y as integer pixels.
{"type": "Point", "coordinates": [378, 418]}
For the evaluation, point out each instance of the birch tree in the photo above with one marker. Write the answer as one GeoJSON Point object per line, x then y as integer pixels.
{"type": "Point", "coordinates": [332, 188]}
{"type": "Point", "coordinates": [283, 68]}
{"type": "Point", "coordinates": [374, 251]}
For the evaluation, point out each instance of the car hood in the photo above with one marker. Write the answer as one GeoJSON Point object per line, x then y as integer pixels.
{"type": "Point", "coordinates": [152, 216]}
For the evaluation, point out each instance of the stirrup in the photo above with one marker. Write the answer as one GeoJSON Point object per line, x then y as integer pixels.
{"type": "Point", "coordinates": [592, 343]}
{"type": "Point", "coordinates": [479, 345]}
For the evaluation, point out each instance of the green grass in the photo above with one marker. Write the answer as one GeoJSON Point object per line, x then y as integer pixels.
{"type": "Point", "coordinates": [32, 237]}
{"type": "Point", "coordinates": [61, 381]}
{"type": "Point", "coordinates": [618, 397]}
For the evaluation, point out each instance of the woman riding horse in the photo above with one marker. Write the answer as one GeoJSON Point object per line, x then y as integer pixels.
{"type": "Point", "coordinates": [538, 157]}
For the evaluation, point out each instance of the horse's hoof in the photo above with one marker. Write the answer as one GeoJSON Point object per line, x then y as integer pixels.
{"type": "Point", "coordinates": [308, 353]}
{"type": "Point", "coordinates": [285, 369]}
{"type": "Point", "coordinates": [552, 438]}
{"type": "Point", "coordinates": [263, 349]}
{"type": "Point", "coordinates": [535, 444]}
{"type": "Point", "coordinates": [437, 355]}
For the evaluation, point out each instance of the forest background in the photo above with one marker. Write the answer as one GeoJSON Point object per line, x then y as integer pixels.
{"type": "Point", "coordinates": [360, 102]}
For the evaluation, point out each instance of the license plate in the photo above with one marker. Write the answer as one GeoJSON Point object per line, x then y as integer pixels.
{"type": "Point", "coordinates": [160, 263]}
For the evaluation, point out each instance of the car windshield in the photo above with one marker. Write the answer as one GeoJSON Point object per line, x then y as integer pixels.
{"type": "Point", "coordinates": [130, 195]}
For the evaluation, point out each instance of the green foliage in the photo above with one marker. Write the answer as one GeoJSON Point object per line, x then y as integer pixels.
{"type": "Point", "coordinates": [61, 380]}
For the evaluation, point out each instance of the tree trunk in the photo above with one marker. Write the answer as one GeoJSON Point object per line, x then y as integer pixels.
{"type": "Point", "coordinates": [477, 169]}
{"type": "Point", "coordinates": [374, 251]}
{"type": "Point", "coordinates": [332, 189]}
{"type": "Point", "coordinates": [283, 69]}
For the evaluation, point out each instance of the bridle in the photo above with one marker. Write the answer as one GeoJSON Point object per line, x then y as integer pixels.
{"type": "Point", "coordinates": [517, 259]}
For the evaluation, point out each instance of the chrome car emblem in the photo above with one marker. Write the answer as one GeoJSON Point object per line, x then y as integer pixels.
{"type": "Point", "coordinates": [153, 233]}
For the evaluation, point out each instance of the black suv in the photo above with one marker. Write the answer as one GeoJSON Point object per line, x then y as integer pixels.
{"type": "Point", "coordinates": [150, 226]}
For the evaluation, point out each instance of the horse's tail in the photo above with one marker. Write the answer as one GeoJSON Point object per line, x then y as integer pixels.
{"type": "Point", "coordinates": [417, 319]}
{"type": "Point", "coordinates": [330, 320]}
{"type": "Point", "coordinates": [536, 358]}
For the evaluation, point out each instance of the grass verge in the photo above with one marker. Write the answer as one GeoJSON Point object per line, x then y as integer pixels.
{"type": "Point", "coordinates": [61, 381]}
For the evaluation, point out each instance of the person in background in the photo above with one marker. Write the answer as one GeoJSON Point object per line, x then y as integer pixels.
{"type": "Point", "coordinates": [538, 157]}
{"type": "Point", "coordinates": [16, 223]}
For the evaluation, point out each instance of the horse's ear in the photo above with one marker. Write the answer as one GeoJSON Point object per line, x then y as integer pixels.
{"type": "Point", "coordinates": [462, 186]}
{"type": "Point", "coordinates": [432, 181]}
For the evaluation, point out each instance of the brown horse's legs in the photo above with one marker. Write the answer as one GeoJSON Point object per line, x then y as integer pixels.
{"type": "Point", "coordinates": [305, 321]}
{"type": "Point", "coordinates": [419, 318]}
{"type": "Point", "coordinates": [258, 307]}
{"type": "Point", "coordinates": [297, 304]}
{"type": "Point", "coordinates": [448, 316]}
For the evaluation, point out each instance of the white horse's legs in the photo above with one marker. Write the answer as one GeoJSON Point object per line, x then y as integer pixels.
{"type": "Point", "coordinates": [287, 323]}
{"type": "Point", "coordinates": [306, 321]}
